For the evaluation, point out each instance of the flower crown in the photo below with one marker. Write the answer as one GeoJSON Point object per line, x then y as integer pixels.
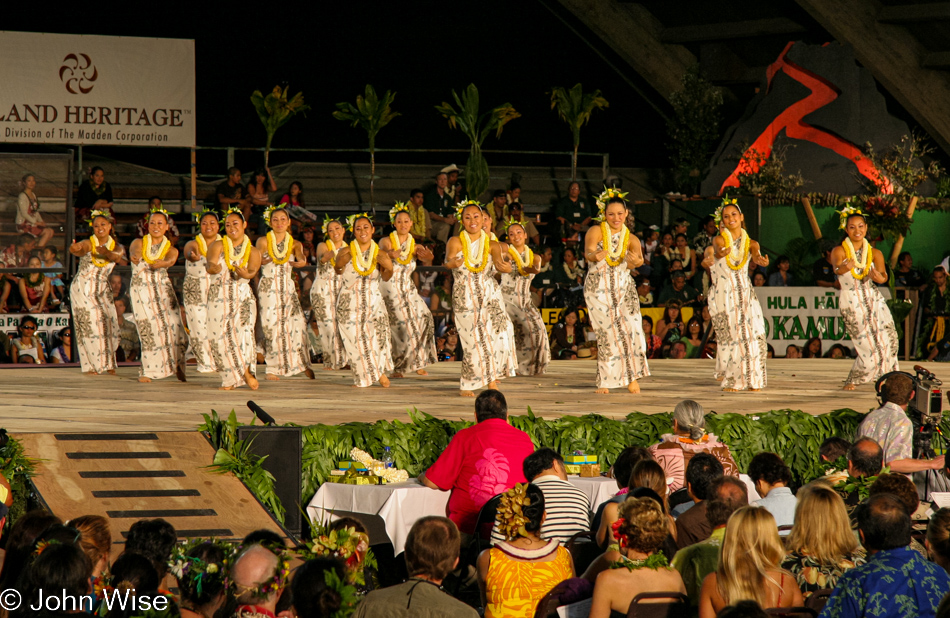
{"type": "Point", "coordinates": [346, 592]}
{"type": "Point", "coordinates": [99, 213]}
{"type": "Point", "coordinates": [460, 208]}
{"type": "Point", "coordinates": [196, 570]}
{"type": "Point", "coordinates": [159, 210]}
{"type": "Point", "coordinates": [351, 219]}
{"type": "Point", "coordinates": [398, 208]}
{"type": "Point", "coordinates": [608, 194]}
{"type": "Point", "coordinates": [42, 545]}
{"type": "Point", "coordinates": [327, 220]}
{"type": "Point", "coordinates": [234, 210]}
{"type": "Point", "coordinates": [726, 201]}
{"type": "Point", "coordinates": [278, 582]}
{"type": "Point", "coordinates": [846, 212]}
{"type": "Point", "coordinates": [511, 519]}
{"type": "Point", "coordinates": [207, 211]}
{"type": "Point", "coordinates": [270, 210]}
{"type": "Point", "coordinates": [512, 221]}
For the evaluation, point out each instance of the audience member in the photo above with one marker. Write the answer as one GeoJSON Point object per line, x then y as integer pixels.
{"type": "Point", "coordinates": [259, 189]}
{"type": "Point", "coordinates": [28, 217]}
{"type": "Point", "coordinates": [63, 353]}
{"type": "Point", "coordinates": [772, 479]}
{"type": "Point", "coordinates": [452, 186]}
{"type": "Point", "coordinates": [573, 213]}
{"type": "Point", "coordinates": [117, 285]}
{"type": "Point", "coordinates": [678, 349]}
{"type": "Point", "coordinates": [934, 338]}
{"type": "Point", "coordinates": [441, 208]}
{"type": "Point", "coordinates": [705, 236]}
{"type": "Point", "coordinates": [514, 193]}
{"type": "Point", "coordinates": [155, 539]}
{"type": "Point", "coordinates": [420, 218]}
{"type": "Point", "coordinates": [686, 255]}
{"type": "Point", "coordinates": [906, 275]}
{"type": "Point", "coordinates": [566, 336]}
{"type": "Point", "coordinates": [654, 345]}
{"type": "Point", "coordinates": [679, 290]}
{"type": "Point", "coordinates": [20, 540]}
{"type": "Point", "coordinates": [61, 570]}
{"type": "Point", "coordinates": [726, 495]}
{"type": "Point", "coordinates": [14, 256]}
{"type": "Point", "coordinates": [903, 489]}
{"type": "Point", "coordinates": [450, 348]}
{"type": "Point", "coordinates": [258, 577]}
{"type": "Point", "coordinates": [498, 212]}
{"type": "Point", "coordinates": [896, 581]}
{"type": "Point", "coordinates": [27, 345]}
{"type": "Point", "coordinates": [571, 274]}
{"type": "Point", "coordinates": [34, 288]}
{"type": "Point", "coordinates": [515, 573]}
{"type": "Point", "coordinates": [129, 346]}
{"type": "Point", "coordinates": [671, 322]}
{"type": "Point", "coordinates": [93, 194]}
{"type": "Point", "coordinates": [689, 437]}
{"type": "Point", "coordinates": [480, 461]}
{"type": "Point", "coordinates": [693, 338]}
{"type": "Point", "coordinates": [812, 348]}
{"type": "Point", "coordinates": [55, 278]}
{"type": "Point", "coordinates": [544, 283]}
{"type": "Point", "coordinates": [865, 461]}
{"type": "Point", "coordinates": [231, 193]}
{"type": "Point", "coordinates": [363, 576]}
{"type": "Point", "coordinates": [793, 351]}
{"type": "Point", "coordinates": [647, 473]}
{"type": "Point", "coordinates": [832, 449]}
{"type": "Point", "coordinates": [432, 552]}
{"type": "Point", "coordinates": [692, 526]}
{"type": "Point", "coordinates": [639, 567]}
{"type": "Point", "coordinates": [838, 351]}
{"type": "Point", "coordinates": [749, 566]}
{"type": "Point", "coordinates": [759, 280]}
{"type": "Point", "coordinates": [782, 277]}
{"type": "Point", "coordinates": [313, 596]}
{"type": "Point", "coordinates": [821, 546]}
{"type": "Point", "coordinates": [136, 573]}
{"type": "Point", "coordinates": [623, 467]}
{"type": "Point", "coordinates": [203, 586]}
{"type": "Point", "coordinates": [95, 540]}
{"type": "Point", "coordinates": [645, 293]}
{"type": "Point", "coordinates": [938, 537]}
{"type": "Point", "coordinates": [822, 271]}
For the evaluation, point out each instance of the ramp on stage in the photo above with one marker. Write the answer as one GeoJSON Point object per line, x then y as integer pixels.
{"type": "Point", "coordinates": [130, 476]}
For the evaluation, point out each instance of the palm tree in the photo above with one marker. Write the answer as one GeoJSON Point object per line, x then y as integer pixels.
{"type": "Point", "coordinates": [275, 110]}
{"type": "Point", "coordinates": [372, 113]}
{"type": "Point", "coordinates": [477, 128]}
{"type": "Point", "coordinates": [575, 107]}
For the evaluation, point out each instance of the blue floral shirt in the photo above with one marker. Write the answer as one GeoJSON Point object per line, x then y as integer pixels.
{"type": "Point", "coordinates": [896, 583]}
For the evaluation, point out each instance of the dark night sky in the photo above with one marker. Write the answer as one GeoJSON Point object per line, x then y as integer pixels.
{"type": "Point", "coordinates": [512, 50]}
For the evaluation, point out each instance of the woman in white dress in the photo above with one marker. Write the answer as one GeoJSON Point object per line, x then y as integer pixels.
{"type": "Point", "coordinates": [232, 262]}
{"type": "Point", "coordinates": [154, 303]}
{"type": "Point", "coordinates": [360, 312]}
{"type": "Point", "coordinates": [324, 294]}
{"type": "Point", "coordinates": [480, 318]}
{"type": "Point", "coordinates": [195, 288]}
{"type": "Point", "coordinates": [719, 324]}
{"type": "Point", "coordinates": [533, 350]}
{"type": "Point", "coordinates": [94, 319]}
{"type": "Point", "coordinates": [863, 308]}
{"type": "Point", "coordinates": [612, 252]}
{"type": "Point", "coordinates": [410, 321]}
{"type": "Point", "coordinates": [740, 333]}
{"type": "Point", "coordinates": [287, 349]}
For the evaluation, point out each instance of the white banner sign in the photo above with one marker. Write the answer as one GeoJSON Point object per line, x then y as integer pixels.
{"type": "Point", "coordinates": [83, 89]}
{"type": "Point", "coordinates": [48, 326]}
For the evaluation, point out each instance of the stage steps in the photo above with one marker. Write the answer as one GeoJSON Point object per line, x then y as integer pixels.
{"type": "Point", "coordinates": [131, 476]}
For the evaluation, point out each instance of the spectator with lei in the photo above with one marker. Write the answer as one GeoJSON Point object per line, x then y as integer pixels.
{"type": "Point", "coordinates": [821, 546]}
{"type": "Point", "coordinates": [28, 217]}
{"type": "Point", "coordinates": [571, 274]}
{"type": "Point", "coordinates": [638, 566]}
{"type": "Point", "coordinates": [202, 569]}
{"type": "Point", "coordinates": [34, 288]}
{"type": "Point", "coordinates": [27, 345]}
{"type": "Point", "coordinates": [94, 194]}
{"type": "Point", "coordinates": [749, 566]}
{"type": "Point", "coordinates": [685, 254]}
{"type": "Point", "coordinates": [647, 473]}
{"type": "Point", "coordinates": [259, 576]}
{"type": "Point", "coordinates": [516, 573]}
{"type": "Point", "coordinates": [623, 467]}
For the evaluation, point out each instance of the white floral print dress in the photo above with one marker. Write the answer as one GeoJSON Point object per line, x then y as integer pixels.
{"type": "Point", "coordinates": [532, 349]}
{"type": "Point", "coordinates": [286, 347]}
{"type": "Point", "coordinates": [410, 320]}
{"type": "Point", "coordinates": [158, 320]}
{"type": "Point", "coordinates": [94, 318]}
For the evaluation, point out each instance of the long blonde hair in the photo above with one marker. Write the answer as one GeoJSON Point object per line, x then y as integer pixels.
{"type": "Point", "coordinates": [750, 549]}
{"type": "Point", "coordinates": [822, 529]}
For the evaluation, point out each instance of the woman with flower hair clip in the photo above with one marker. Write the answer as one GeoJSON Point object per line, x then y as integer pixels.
{"type": "Point", "coordinates": [866, 317]}
{"type": "Point", "coordinates": [202, 569]}
{"type": "Point", "coordinates": [155, 304]}
{"type": "Point", "coordinates": [410, 321]}
{"type": "Point", "coordinates": [612, 252]}
{"type": "Point", "coordinates": [196, 285]}
{"type": "Point", "coordinates": [282, 322]}
{"type": "Point", "coordinates": [483, 325]}
{"type": "Point", "coordinates": [94, 318]}
{"type": "Point", "coordinates": [531, 338]}
{"type": "Point", "coordinates": [324, 293]}
{"type": "Point", "coordinates": [360, 311]}
{"type": "Point", "coordinates": [741, 328]}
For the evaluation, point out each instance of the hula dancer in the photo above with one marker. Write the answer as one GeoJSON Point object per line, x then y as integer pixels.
{"type": "Point", "coordinates": [287, 349]}
{"type": "Point", "coordinates": [154, 303]}
{"type": "Point", "coordinates": [94, 318]}
{"type": "Point", "coordinates": [195, 287]}
{"type": "Point", "coordinates": [865, 313]}
{"type": "Point", "coordinates": [360, 311]}
{"type": "Point", "coordinates": [483, 326]}
{"type": "Point", "coordinates": [324, 294]}
{"type": "Point", "coordinates": [531, 338]}
{"type": "Point", "coordinates": [410, 321]}
{"type": "Point", "coordinates": [612, 252]}
{"type": "Point", "coordinates": [232, 312]}
{"type": "Point", "coordinates": [741, 335]}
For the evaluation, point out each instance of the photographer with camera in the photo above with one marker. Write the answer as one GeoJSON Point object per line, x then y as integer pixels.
{"type": "Point", "coordinates": [893, 429]}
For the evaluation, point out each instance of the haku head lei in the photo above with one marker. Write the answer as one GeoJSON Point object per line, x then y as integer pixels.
{"type": "Point", "coordinates": [398, 208]}
{"type": "Point", "coordinates": [460, 208]}
{"type": "Point", "coordinates": [269, 211]}
{"type": "Point", "coordinates": [849, 211]}
{"type": "Point", "coordinates": [99, 213]}
{"type": "Point", "coordinates": [196, 570]}
{"type": "Point", "coordinates": [277, 582]}
{"type": "Point", "coordinates": [511, 519]}
{"type": "Point", "coordinates": [726, 201]}
{"type": "Point", "coordinates": [207, 211]}
{"type": "Point", "coordinates": [608, 194]}
{"type": "Point", "coordinates": [351, 220]}
{"type": "Point", "coordinates": [234, 210]}
{"type": "Point", "coordinates": [159, 210]}
{"type": "Point", "coordinates": [512, 221]}
{"type": "Point", "coordinates": [327, 220]}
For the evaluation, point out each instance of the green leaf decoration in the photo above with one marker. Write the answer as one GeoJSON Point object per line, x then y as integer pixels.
{"type": "Point", "coordinates": [371, 113]}
{"type": "Point", "coordinates": [574, 107]}
{"type": "Point", "coordinates": [275, 110]}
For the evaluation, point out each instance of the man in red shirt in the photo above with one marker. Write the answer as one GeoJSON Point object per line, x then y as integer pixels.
{"type": "Point", "coordinates": [480, 462]}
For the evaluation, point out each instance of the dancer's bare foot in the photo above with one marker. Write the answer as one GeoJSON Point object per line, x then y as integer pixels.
{"type": "Point", "coordinates": [849, 387]}
{"type": "Point", "coordinates": [720, 378]}
{"type": "Point", "coordinates": [251, 380]}
{"type": "Point", "coordinates": [603, 391]}
{"type": "Point", "coordinates": [111, 372]}
{"type": "Point", "coordinates": [91, 373]}
{"type": "Point", "coordinates": [384, 381]}
{"type": "Point", "coordinates": [467, 393]}
{"type": "Point", "coordinates": [271, 377]}
{"type": "Point", "coordinates": [493, 385]}
{"type": "Point", "coordinates": [633, 387]}
{"type": "Point", "coordinates": [422, 372]}
{"type": "Point", "coordinates": [225, 388]}
{"type": "Point", "coordinates": [397, 375]}
{"type": "Point", "coordinates": [144, 380]}
{"type": "Point", "coordinates": [754, 390]}
{"type": "Point", "coordinates": [309, 374]}
{"type": "Point", "coordinates": [327, 368]}
{"type": "Point", "coordinates": [345, 368]}
{"type": "Point", "coordinates": [730, 390]}
{"type": "Point", "coordinates": [180, 373]}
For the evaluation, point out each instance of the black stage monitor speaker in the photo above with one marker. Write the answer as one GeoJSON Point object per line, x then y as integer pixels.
{"type": "Point", "coordinates": [282, 446]}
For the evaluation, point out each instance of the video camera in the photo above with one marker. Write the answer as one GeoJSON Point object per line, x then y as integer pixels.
{"type": "Point", "coordinates": [927, 403]}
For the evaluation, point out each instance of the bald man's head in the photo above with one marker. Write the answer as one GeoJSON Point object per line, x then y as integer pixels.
{"type": "Point", "coordinates": [256, 565]}
{"type": "Point", "coordinates": [865, 458]}
{"type": "Point", "coordinates": [726, 495]}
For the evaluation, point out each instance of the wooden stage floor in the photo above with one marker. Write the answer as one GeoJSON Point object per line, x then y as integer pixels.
{"type": "Point", "coordinates": [63, 400]}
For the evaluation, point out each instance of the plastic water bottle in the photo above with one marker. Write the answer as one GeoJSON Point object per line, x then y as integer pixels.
{"type": "Point", "coordinates": [387, 458]}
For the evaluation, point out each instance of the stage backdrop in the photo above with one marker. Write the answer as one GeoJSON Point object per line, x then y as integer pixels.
{"type": "Point", "coordinates": [82, 89]}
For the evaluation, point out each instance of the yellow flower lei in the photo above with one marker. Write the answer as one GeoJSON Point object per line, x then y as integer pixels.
{"type": "Point", "coordinates": [518, 262]}
{"type": "Point", "coordinates": [851, 254]}
{"type": "Point", "coordinates": [279, 258]}
{"type": "Point", "coordinates": [147, 249]}
{"type": "Point", "coordinates": [202, 245]}
{"type": "Point", "coordinates": [743, 252]}
{"type": "Point", "coordinates": [467, 250]}
{"type": "Point", "coordinates": [231, 258]}
{"type": "Point", "coordinates": [405, 257]}
{"type": "Point", "coordinates": [92, 252]}
{"type": "Point", "coordinates": [330, 246]}
{"type": "Point", "coordinates": [362, 268]}
{"type": "Point", "coordinates": [614, 258]}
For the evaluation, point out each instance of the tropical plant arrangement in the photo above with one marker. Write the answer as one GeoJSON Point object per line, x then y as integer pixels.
{"type": "Point", "coordinates": [372, 113]}
{"type": "Point", "coordinates": [792, 434]}
{"type": "Point", "coordinates": [763, 173]}
{"type": "Point", "coordinates": [18, 469]}
{"type": "Point", "coordinates": [275, 110]}
{"type": "Point", "coordinates": [574, 106]}
{"type": "Point", "coordinates": [477, 127]}
{"type": "Point", "coordinates": [693, 129]}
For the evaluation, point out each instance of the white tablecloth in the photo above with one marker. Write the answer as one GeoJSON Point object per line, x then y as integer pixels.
{"type": "Point", "coordinates": [391, 510]}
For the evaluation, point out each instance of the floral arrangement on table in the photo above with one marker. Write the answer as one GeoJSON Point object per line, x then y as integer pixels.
{"type": "Point", "coordinates": [392, 475]}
